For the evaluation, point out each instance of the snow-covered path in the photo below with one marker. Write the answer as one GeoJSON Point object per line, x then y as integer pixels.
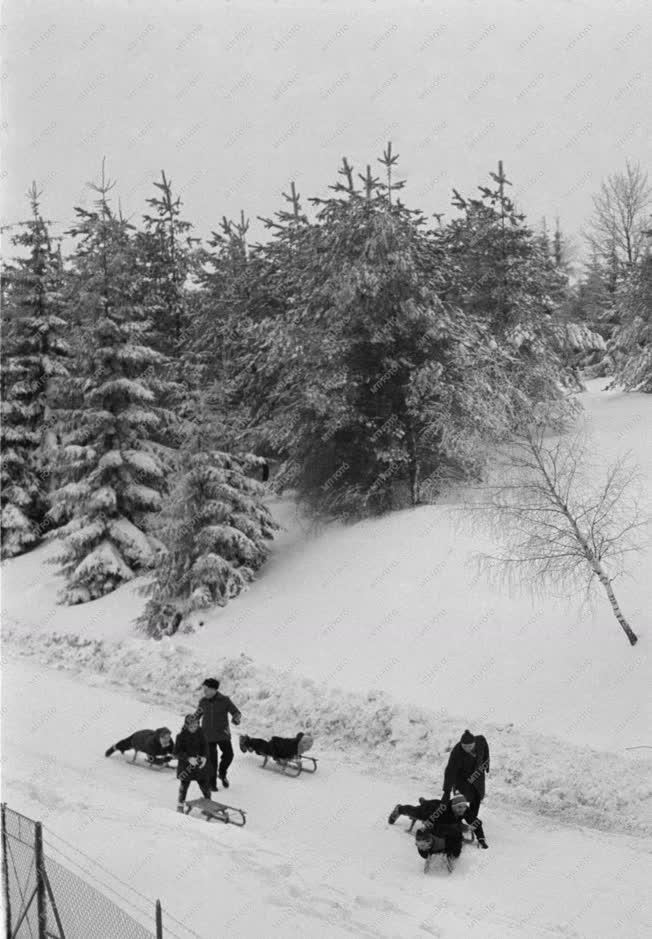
{"type": "Point", "coordinates": [317, 856]}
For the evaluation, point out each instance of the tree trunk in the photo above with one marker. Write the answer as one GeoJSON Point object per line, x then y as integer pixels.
{"type": "Point", "coordinates": [606, 583]}
{"type": "Point", "coordinates": [596, 566]}
{"type": "Point", "coordinates": [413, 466]}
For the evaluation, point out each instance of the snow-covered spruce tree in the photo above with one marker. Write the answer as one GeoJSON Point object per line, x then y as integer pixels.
{"type": "Point", "coordinates": [35, 357]}
{"type": "Point", "coordinates": [632, 341]}
{"type": "Point", "coordinates": [167, 261]}
{"type": "Point", "coordinates": [239, 292]}
{"type": "Point", "coordinates": [220, 327]}
{"type": "Point", "coordinates": [216, 532]}
{"type": "Point", "coordinates": [166, 253]}
{"type": "Point", "coordinates": [507, 276]}
{"type": "Point", "coordinates": [373, 377]}
{"type": "Point", "coordinates": [113, 475]}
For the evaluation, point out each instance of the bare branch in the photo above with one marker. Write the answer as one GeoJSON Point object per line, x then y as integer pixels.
{"type": "Point", "coordinates": [557, 526]}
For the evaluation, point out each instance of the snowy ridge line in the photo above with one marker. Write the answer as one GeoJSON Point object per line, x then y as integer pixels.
{"type": "Point", "coordinates": [541, 774]}
{"type": "Point", "coordinates": [87, 875]}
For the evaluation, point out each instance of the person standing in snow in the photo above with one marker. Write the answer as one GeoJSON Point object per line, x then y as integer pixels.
{"type": "Point", "coordinates": [214, 709]}
{"type": "Point", "coordinates": [155, 744]}
{"type": "Point", "coordinates": [191, 750]}
{"type": "Point", "coordinates": [468, 764]}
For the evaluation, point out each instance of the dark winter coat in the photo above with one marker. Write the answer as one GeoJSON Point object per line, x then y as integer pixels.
{"type": "Point", "coordinates": [214, 713]}
{"type": "Point", "coordinates": [190, 744]}
{"type": "Point", "coordinates": [148, 741]}
{"type": "Point", "coordinates": [284, 748]}
{"type": "Point", "coordinates": [444, 826]}
{"type": "Point", "coordinates": [442, 816]}
{"type": "Point", "coordinates": [467, 769]}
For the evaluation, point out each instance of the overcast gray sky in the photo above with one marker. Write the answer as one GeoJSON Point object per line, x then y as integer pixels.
{"type": "Point", "coordinates": [234, 99]}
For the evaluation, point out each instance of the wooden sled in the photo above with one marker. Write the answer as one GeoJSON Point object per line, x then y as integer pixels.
{"type": "Point", "coordinates": [153, 762]}
{"type": "Point", "coordinates": [293, 767]}
{"type": "Point", "coordinates": [468, 835]}
{"type": "Point", "coordinates": [450, 863]}
{"type": "Point", "coordinates": [216, 810]}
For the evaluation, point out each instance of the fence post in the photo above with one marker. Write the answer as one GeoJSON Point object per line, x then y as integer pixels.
{"type": "Point", "coordinates": [5, 872]}
{"type": "Point", "coordinates": [40, 881]}
{"type": "Point", "coordinates": [159, 920]}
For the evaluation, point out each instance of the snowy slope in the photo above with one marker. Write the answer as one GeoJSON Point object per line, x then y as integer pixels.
{"type": "Point", "coordinates": [317, 856]}
{"type": "Point", "coordinates": [542, 774]}
{"type": "Point", "coordinates": [394, 604]}
{"type": "Point", "coordinates": [379, 638]}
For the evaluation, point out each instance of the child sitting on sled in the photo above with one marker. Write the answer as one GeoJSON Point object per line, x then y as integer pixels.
{"type": "Point", "coordinates": [278, 748]}
{"type": "Point", "coordinates": [191, 749]}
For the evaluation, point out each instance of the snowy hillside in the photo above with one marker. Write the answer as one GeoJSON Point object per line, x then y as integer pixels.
{"type": "Point", "coordinates": [380, 639]}
{"type": "Point", "coordinates": [395, 605]}
{"type": "Point", "coordinates": [317, 856]}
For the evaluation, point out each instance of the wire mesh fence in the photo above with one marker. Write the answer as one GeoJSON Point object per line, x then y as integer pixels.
{"type": "Point", "coordinates": [84, 911]}
{"type": "Point", "coordinates": [43, 898]}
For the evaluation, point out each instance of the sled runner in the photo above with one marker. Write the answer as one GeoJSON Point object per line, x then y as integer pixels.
{"type": "Point", "coordinates": [450, 864]}
{"type": "Point", "coordinates": [293, 767]}
{"type": "Point", "coordinates": [152, 761]}
{"type": "Point", "coordinates": [217, 810]}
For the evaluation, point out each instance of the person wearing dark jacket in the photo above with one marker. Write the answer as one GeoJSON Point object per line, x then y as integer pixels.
{"type": "Point", "coordinates": [418, 813]}
{"type": "Point", "coordinates": [468, 765]}
{"type": "Point", "coordinates": [442, 829]}
{"type": "Point", "coordinates": [155, 744]}
{"type": "Point", "coordinates": [191, 750]}
{"type": "Point", "coordinates": [279, 748]}
{"type": "Point", "coordinates": [214, 709]}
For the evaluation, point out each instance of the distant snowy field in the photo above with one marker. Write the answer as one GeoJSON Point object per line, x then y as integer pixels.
{"type": "Point", "coordinates": [378, 636]}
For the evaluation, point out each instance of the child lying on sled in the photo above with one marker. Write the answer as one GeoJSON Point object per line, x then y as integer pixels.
{"type": "Point", "coordinates": [155, 744]}
{"type": "Point", "coordinates": [442, 829]}
{"type": "Point", "coordinates": [278, 748]}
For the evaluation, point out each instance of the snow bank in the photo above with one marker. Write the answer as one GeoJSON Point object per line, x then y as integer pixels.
{"type": "Point", "coordinates": [575, 784]}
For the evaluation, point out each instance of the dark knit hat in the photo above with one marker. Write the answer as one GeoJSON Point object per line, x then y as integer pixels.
{"type": "Point", "coordinates": [190, 719]}
{"type": "Point", "coordinates": [164, 732]}
{"type": "Point", "coordinates": [467, 737]}
{"type": "Point", "coordinates": [211, 683]}
{"type": "Point", "coordinates": [459, 799]}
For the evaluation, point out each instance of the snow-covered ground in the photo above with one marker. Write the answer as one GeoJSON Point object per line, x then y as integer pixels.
{"type": "Point", "coordinates": [395, 604]}
{"type": "Point", "coordinates": [380, 638]}
{"type": "Point", "coordinates": [317, 856]}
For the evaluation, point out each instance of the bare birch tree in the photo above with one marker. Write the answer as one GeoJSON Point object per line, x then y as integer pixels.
{"type": "Point", "coordinates": [620, 210]}
{"type": "Point", "coordinates": [559, 528]}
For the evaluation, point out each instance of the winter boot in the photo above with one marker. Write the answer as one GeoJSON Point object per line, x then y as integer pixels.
{"type": "Point", "coordinates": [224, 781]}
{"type": "Point", "coordinates": [180, 807]}
{"type": "Point", "coordinates": [394, 814]}
{"type": "Point", "coordinates": [110, 751]}
{"type": "Point", "coordinates": [244, 743]}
